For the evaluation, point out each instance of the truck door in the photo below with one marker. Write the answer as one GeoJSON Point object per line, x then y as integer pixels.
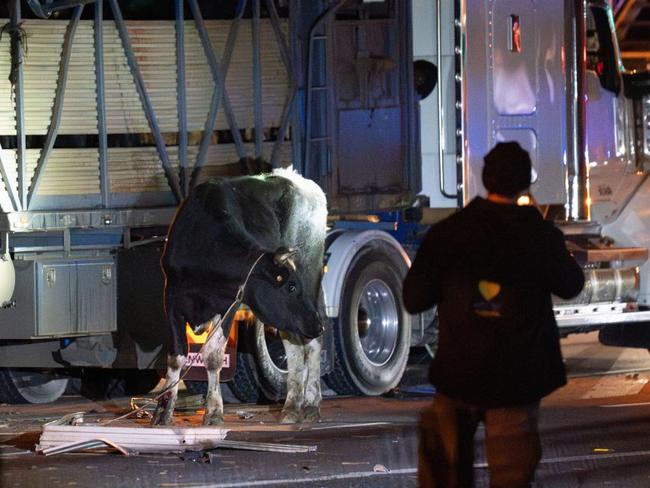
{"type": "Point", "coordinates": [516, 88]}
{"type": "Point", "coordinates": [373, 164]}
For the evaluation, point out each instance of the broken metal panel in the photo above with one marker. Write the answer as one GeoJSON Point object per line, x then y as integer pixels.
{"type": "Point", "coordinates": [71, 433]}
{"type": "Point", "coordinates": [140, 439]}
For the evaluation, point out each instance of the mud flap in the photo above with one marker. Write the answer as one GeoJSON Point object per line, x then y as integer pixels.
{"type": "Point", "coordinates": [635, 334]}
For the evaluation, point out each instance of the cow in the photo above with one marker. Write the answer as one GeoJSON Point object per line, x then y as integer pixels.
{"type": "Point", "coordinates": [267, 234]}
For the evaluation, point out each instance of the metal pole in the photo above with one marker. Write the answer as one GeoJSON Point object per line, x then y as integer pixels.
{"type": "Point", "coordinates": [579, 203]}
{"type": "Point", "coordinates": [181, 98]}
{"type": "Point", "coordinates": [441, 125]}
{"type": "Point", "coordinates": [313, 36]}
{"type": "Point", "coordinates": [19, 98]}
{"type": "Point", "coordinates": [15, 203]}
{"type": "Point", "coordinates": [257, 81]}
{"type": "Point", "coordinates": [293, 87]}
{"type": "Point", "coordinates": [172, 177]}
{"type": "Point", "coordinates": [219, 76]}
{"type": "Point", "coordinates": [45, 11]}
{"type": "Point", "coordinates": [101, 102]}
{"type": "Point", "coordinates": [57, 108]}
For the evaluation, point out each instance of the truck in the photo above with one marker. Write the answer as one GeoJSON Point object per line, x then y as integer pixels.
{"type": "Point", "coordinates": [112, 111]}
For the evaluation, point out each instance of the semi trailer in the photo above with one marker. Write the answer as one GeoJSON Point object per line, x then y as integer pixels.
{"type": "Point", "coordinates": [112, 111]}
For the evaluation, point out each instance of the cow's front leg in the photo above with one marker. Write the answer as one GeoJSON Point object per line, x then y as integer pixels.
{"type": "Point", "coordinates": [165, 407]}
{"type": "Point", "coordinates": [313, 397]}
{"type": "Point", "coordinates": [292, 410]}
{"type": "Point", "coordinates": [213, 355]}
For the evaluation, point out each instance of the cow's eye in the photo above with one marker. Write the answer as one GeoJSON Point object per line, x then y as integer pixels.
{"type": "Point", "coordinates": [291, 287]}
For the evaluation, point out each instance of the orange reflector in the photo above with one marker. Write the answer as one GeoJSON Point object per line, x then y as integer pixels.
{"type": "Point", "coordinates": [242, 315]}
{"type": "Point", "coordinates": [193, 338]}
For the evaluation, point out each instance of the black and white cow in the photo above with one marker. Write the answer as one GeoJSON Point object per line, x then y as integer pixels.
{"type": "Point", "coordinates": [271, 228]}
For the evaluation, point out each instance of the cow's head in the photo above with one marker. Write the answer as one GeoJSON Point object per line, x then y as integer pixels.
{"type": "Point", "coordinates": [276, 295]}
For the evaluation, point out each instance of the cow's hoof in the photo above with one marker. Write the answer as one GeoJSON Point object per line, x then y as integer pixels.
{"type": "Point", "coordinates": [161, 417]}
{"type": "Point", "coordinates": [291, 416]}
{"type": "Point", "coordinates": [164, 410]}
{"type": "Point", "coordinates": [312, 414]}
{"type": "Point", "coordinates": [214, 419]}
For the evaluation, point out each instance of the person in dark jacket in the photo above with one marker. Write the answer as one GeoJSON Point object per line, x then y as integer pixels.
{"type": "Point", "coordinates": [491, 269]}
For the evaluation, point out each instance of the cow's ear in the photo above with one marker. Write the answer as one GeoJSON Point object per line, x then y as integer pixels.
{"type": "Point", "coordinates": [284, 257]}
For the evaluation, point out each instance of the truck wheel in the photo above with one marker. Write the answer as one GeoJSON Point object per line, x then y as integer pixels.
{"type": "Point", "coordinates": [261, 372]}
{"type": "Point", "coordinates": [27, 386]}
{"type": "Point", "coordinates": [372, 333]}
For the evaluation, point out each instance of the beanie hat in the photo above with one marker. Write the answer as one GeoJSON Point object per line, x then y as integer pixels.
{"type": "Point", "coordinates": [507, 169]}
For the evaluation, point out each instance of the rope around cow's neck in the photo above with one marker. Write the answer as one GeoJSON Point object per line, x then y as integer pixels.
{"type": "Point", "coordinates": [239, 297]}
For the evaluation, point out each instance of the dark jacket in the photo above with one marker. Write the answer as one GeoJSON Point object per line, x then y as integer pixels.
{"type": "Point", "coordinates": [491, 269]}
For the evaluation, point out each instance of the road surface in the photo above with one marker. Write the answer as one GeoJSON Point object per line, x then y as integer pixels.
{"type": "Point", "coordinates": [595, 434]}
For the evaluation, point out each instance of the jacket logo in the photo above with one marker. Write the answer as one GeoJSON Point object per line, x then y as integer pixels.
{"type": "Point", "coordinates": [486, 307]}
{"type": "Point", "coordinates": [488, 289]}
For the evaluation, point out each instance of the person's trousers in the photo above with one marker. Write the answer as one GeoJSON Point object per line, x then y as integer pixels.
{"type": "Point", "coordinates": [446, 444]}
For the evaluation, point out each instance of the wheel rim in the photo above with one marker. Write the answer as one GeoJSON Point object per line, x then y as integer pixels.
{"type": "Point", "coordinates": [377, 322]}
{"type": "Point", "coordinates": [275, 348]}
{"type": "Point", "coordinates": [37, 387]}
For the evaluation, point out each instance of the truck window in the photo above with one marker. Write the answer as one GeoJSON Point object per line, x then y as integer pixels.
{"type": "Point", "coordinates": [601, 51]}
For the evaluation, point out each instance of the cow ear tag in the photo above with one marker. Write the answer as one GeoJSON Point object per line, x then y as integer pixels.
{"type": "Point", "coordinates": [488, 289]}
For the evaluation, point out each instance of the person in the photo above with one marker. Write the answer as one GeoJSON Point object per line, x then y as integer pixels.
{"type": "Point", "coordinates": [490, 269]}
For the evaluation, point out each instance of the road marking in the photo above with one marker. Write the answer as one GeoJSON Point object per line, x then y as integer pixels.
{"type": "Point", "coordinates": [352, 426]}
{"type": "Point", "coordinates": [295, 481]}
{"type": "Point", "coordinates": [368, 474]}
{"type": "Point", "coordinates": [620, 405]}
{"type": "Point", "coordinates": [576, 459]}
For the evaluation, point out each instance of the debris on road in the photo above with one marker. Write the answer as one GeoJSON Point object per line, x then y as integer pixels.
{"type": "Point", "coordinates": [244, 415]}
{"type": "Point", "coordinates": [71, 433]}
{"type": "Point", "coordinates": [10, 451]}
{"type": "Point", "coordinates": [67, 432]}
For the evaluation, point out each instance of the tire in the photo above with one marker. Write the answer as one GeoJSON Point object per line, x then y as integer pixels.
{"type": "Point", "coordinates": [373, 331]}
{"type": "Point", "coordinates": [30, 386]}
{"type": "Point", "coordinates": [261, 372]}
{"type": "Point", "coordinates": [105, 384]}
